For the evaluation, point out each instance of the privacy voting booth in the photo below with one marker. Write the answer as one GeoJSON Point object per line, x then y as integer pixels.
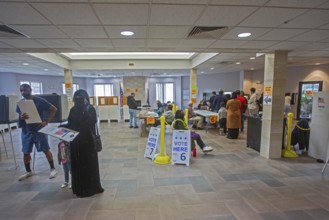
{"type": "Point", "coordinates": [8, 115]}
{"type": "Point", "coordinates": [61, 103]}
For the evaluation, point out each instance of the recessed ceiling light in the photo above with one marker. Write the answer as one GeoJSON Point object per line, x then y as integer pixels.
{"type": "Point", "coordinates": [252, 58]}
{"type": "Point", "coordinates": [252, 68]}
{"type": "Point", "coordinates": [317, 64]}
{"type": "Point", "coordinates": [26, 64]}
{"type": "Point", "coordinates": [202, 72]}
{"type": "Point", "coordinates": [237, 63]}
{"type": "Point", "coordinates": [127, 33]}
{"type": "Point", "coordinates": [212, 68]}
{"type": "Point", "coordinates": [247, 34]}
{"type": "Point", "coordinates": [45, 69]}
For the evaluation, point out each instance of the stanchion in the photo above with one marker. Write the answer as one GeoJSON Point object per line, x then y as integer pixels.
{"type": "Point", "coordinates": [186, 116]}
{"type": "Point", "coordinates": [287, 152]}
{"type": "Point", "coordinates": [173, 108]}
{"type": "Point", "coordinates": [162, 158]}
{"type": "Point", "coordinates": [176, 108]}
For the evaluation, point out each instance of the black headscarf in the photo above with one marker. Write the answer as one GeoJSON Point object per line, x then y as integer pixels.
{"type": "Point", "coordinates": [81, 99]}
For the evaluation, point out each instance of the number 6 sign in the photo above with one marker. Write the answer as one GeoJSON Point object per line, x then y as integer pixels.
{"type": "Point", "coordinates": [181, 147]}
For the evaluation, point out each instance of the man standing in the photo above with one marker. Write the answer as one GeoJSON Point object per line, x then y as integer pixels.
{"type": "Point", "coordinates": [30, 135]}
{"type": "Point", "coordinates": [132, 110]}
{"type": "Point", "coordinates": [211, 101]}
{"type": "Point", "coordinates": [219, 99]}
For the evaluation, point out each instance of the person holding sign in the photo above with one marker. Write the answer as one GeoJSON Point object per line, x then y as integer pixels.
{"type": "Point", "coordinates": [30, 135]}
{"type": "Point", "coordinates": [179, 124]}
{"type": "Point", "coordinates": [84, 158]}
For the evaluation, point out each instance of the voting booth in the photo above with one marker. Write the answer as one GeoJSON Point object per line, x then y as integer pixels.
{"type": "Point", "coordinates": [61, 103]}
{"type": "Point", "coordinates": [8, 109]}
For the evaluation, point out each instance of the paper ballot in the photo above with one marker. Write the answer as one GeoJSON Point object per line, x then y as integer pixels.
{"type": "Point", "coordinates": [28, 107]}
{"type": "Point", "coordinates": [60, 133]}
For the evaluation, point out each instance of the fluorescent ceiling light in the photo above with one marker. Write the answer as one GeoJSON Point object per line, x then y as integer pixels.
{"type": "Point", "coordinates": [259, 54]}
{"type": "Point", "coordinates": [252, 58]}
{"type": "Point", "coordinates": [127, 33]}
{"type": "Point", "coordinates": [317, 64]}
{"type": "Point", "coordinates": [237, 63]}
{"type": "Point", "coordinates": [26, 64]}
{"type": "Point", "coordinates": [45, 69]}
{"type": "Point", "coordinates": [252, 68]}
{"type": "Point", "coordinates": [247, 34]}
{"type": "Point", "coordinates": [128, 55]}
{"type": "Point", "coordinates": [212, 68]}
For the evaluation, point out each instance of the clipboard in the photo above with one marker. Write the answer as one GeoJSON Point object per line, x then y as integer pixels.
{"type": "Point", "coordinates": [59, 132]}
{"type": "Point", "coordinates": [28, 107]}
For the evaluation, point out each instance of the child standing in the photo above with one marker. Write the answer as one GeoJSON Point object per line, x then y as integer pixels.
{"type": "Point", "coordinates": [222, 114]}
{"type": "Point", "coordinates": [64, 158]}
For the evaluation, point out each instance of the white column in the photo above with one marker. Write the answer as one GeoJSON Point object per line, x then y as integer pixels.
{"type": "Point", "coordinates": [68, 81]}
{"type": "Point", "coordinates": [273, 104]}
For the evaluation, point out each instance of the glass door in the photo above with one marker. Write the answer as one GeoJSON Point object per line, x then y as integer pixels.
{"type": "Point", "coordinates": [305, 98]}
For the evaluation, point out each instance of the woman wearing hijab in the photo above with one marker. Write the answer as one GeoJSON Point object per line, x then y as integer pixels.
{"type": "Point", "coordinates": [233, 117]}
{"type": "Point", "coordinates": [84, 158]}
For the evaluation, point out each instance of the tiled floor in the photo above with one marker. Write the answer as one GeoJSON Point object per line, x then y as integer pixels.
{"type": "Point", "coordinates": [232, 182]}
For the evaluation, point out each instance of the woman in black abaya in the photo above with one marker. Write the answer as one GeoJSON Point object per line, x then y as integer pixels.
{"type": "Point", "coordinates": [84, 158]}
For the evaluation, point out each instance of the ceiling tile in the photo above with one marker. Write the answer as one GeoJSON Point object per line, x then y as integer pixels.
{"type": "Point", "coordinates": [174, 14]}
{"type": "Point", "coordinates": [20, 13]}
{"type": "Point", "coordinates": [295, 3]}
{"type": "Point", "coordinates": [281, 34]}
{"type": "Point", "coordinates": [258, 44]}
{"type": "Point", "coordinates": [61, 13]}
{"type": "Point", "coordinates": [287, 45]}
{"type": "Point", "coordinates": [92, 43]}
{"type": "Point", "coordinates": [255, 32]}
{"type": "Point", "coordinates": [59, 43]}
{"type": "Point", "coordinates": [310, 19]}
{"type": "Point", "coordinates": [313, 46]}
{"type": "Point", "coordinates": [39, 31]}
{"type": "Point", "coordinates": [114, 31]}
{"type": "Point", "coordinates": [319, 53]}
{"type": "Point", "coordinates": [238, 2]}
{"type": "Point", "coordinates": [195, 43]}
{"type": "Point", "coordinates": [271, 17]}
{"type": "Point", "coordinates": [84, 31]}
{"type": "Point", "coordinates": [23, 43]}
{"type": "Point", "coordinates": [191, 2]}
{"type": "Point", "coordinates": [224, 15]}
{"type": "Point", "coordinates": [130, 43]}
{"type": "Point", "coordinates": [3, 45]}
{"type": "Point", "coordinates": [119, 1]}
{"type": "Point", "coordinates": [314, 35]}
{"type": "Point", "coordinates": [228, 44]}
{"type": "Point", "coordinates": [122, 14]}
{"type": "Point", "coordinates": [162, 43]}
{"type": "Point", "coordinates": [326, 26]}
{"type": "Point", "coordinates": [168, 31]}
{"type": "Point", "coordinates": [325, 5]}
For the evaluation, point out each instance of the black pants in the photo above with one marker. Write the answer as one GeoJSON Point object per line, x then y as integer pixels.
{"type": "Point", "coordinates": [222, 124]}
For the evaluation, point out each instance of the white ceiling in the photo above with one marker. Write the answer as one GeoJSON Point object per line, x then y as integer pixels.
{"type": "Point", "coordinates": [56, 26]}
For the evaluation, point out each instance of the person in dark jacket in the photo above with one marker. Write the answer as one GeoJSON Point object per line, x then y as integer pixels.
{"type": "Point", "coordinates": [84, 157]}
{"type": "Point", "coordinates": [301, 135]}
{"type": "Point", "coordinates": [132, 110]}
{"type": "Point", "coordinates": [211, 101]}
{"type": "Point", "coordinates": [179, 124]}
{"type": "Point", "coordinates": [218, 99]}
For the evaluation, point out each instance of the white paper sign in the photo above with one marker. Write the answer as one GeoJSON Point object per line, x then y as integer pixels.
{"type": "Point", "coordinates": [28, 107]}
{"type": "Point", "coordinates": [152, 142]}
{"type": "Point", "coordinates": [60, 133]}
{"type": "Point", "coordinates": [181, 147]}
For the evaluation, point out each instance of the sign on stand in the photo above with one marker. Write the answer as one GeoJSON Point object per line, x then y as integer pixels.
{"type": "Point", "coordinates": [152, 143]}
{"type": "Point", "coordinates": [181, 147]}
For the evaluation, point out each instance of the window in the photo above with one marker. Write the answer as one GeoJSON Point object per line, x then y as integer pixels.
{"type": "Point", "coordinates": [165, 92]}
{"type": "Point", "coordinates": [74, 86]}
{"type": "Point", "coordinates": [103, 90]}
{"type": "Point", "coordinates": [35, 86]}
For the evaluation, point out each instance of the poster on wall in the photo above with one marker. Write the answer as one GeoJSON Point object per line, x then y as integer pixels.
{"type": "Point", "coordinates": [136, 90]}
{"type": "Point", "coordinates": [321, 103]}
{"type": "Point", "coordinates": [267, 95]}
{"type": "Point", "coordinates": [128, 90]}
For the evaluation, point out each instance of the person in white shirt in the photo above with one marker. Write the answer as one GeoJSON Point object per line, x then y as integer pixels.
{"type": "Point", "coordinates": [222, 114]}
{"type": "Point", "coordinates": [252, 103]}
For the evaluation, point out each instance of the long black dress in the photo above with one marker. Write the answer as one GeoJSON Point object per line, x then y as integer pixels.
{"type": "Point", "coordinates": [84, 158]}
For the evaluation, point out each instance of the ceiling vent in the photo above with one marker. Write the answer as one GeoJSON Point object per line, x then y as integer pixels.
{"type": "Point", "coordinates": [202, 32]}
{"type": "Point", "coordinates": [6, 32]}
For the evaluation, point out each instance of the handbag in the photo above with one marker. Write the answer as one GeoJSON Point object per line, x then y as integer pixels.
{"type": "Point", "coordinates": [97, 140]}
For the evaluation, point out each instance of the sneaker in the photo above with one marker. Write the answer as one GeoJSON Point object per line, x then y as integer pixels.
{"type": "Point", "coordinates": [136, 127]}
{"type": "Point", "coordinates": [130, 126]}
{"type": "Point", "coordinates": [25, 176]}
{"type": "Point", "coordinates": [70, 186]}
{"type": "Point", "coordinates": [207, 149]}
{"type": "Point", "coordinates": [64, 185]}
{"type": "Point", "coordinates": [53, 174]}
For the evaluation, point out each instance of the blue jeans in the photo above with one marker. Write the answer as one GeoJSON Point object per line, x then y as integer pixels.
{"type": "Point", "coordinates": [67, 171]}
{"type": "Point", "coordinates": [133, 117]}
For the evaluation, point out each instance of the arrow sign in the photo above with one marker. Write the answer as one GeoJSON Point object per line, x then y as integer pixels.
{"type": "Point", "coordinates": [268, 100]}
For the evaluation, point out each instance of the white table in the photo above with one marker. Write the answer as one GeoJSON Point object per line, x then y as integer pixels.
{"type": "Point", "coordinates": [206, 114]}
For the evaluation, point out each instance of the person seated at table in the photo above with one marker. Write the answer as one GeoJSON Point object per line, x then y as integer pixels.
{"type": "Point", "coordinates": [196, 120]}
{"type": "Point", "coordinates": [179, 124]}
{"type": "Point", "coordinates": [222, 114]}
{"type": "Point", "coordinates": [169, 116]}
{"type": "Point", "coordinates": [203, 105]}
{"type": "Point", "coordinates": [159, 109]}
